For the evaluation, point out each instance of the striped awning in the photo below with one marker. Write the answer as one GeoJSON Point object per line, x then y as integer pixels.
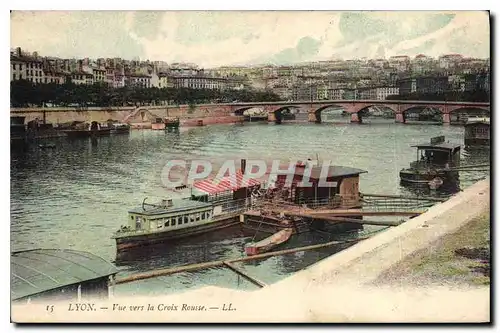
{"type": "Point", "coordinates": [226, 183]}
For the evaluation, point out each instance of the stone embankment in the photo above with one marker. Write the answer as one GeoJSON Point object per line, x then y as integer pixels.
{"type": "Point", "coordinates": [140, 117]}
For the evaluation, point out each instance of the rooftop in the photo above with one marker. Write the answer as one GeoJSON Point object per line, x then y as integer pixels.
{"type": "Point", "coordinates": [333, 171]}
{"type": "Point", "coordinates": [40, 270]}
{"type": "Point", "coordinates": [178, 205]}
{"type": "Point", "coordinates": [24, 58]}
{"type": "Point", "coordinates": [443, 145]}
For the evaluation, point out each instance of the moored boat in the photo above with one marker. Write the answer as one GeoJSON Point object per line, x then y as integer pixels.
{"type": "Point", "coordinates": [170, 219]}
{"type": "Point", "coordinates": [119, 128]}
{"type": "Point", "coordinates": [17, 130]}
{"type": "Point", "coordinates": [477, 132]}
{"type": "Point", "coordinates": [212, 204]}
{"type": "Point", "coordinates": [158, 124]}
{"type": "Point", "coordinates": [434, 160]}
{"type": "Point", "coordinates": [268, 243]}
{"type": "Point", "coordinates": [88, 130]}
{"type": "Point", "coordinates": [172, 123]}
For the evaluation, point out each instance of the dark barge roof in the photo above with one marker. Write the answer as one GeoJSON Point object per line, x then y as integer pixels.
{"type": "Point", "coordinates": [333, 171]}
{"type": "Point", "coordinates": [40, 270]}
{"type": "Point", "coordinates": [178, 206]}
{"type": "Point", "coordinates": [444, 145]}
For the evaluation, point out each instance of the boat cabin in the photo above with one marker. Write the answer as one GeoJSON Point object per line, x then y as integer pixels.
{"type": "Point", "coordinates": [437, 153]}
{"type": "Point", "coordinates": [170, 214]}
{"type": "Point", "coordinates": [338, 182]}
{"type": "Point", "coordinates": [59, 274]}
{"type": "Point", "coordinates": [477, 132]}
{"type": "Point", "coordinates": [158, 124]}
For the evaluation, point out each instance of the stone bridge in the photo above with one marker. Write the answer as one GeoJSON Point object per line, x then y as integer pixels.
{"type": "Point", "coordinates": [356, 108]}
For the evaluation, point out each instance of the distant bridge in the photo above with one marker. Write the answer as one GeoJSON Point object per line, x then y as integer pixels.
{"type": "Point", "coordinates": [356, 109]}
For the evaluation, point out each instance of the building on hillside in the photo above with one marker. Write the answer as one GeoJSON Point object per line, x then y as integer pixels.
{"type": "Point", "coordinates": [99, 74]}
{"type": "Point", "coordinates": [54, 77]}
{"type": "Point", "coordinates": [80, 77]}
{"type": "Point", "coordinates": [449, 60]}
{"type": "Point", "coordinates": [24, 67]}
{"type": "Point", "coordinates": [284, 92]}
{"type": "Point", "coordinates": [138, 80]}
{"type": "Point", "coordinates": [199, 82]}
{"type": "Point", "coordinates": [400, 63]}
{"type": "Point", "coordinates": [423, 85]}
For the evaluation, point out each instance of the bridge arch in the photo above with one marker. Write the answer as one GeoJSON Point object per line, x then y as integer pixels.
{"type": "Point", "coordinates": [241, 111]}
{"type": "Point", "coordinates": [284, 113]}
{"type": "Point", "coordinates": [459, 114]}
{"type": "Point", "coordinates": [376, 110]}
{"type": "Point", "coordinates": [422, 113]}
{"type": "Point", "coordinates": [340, 113]}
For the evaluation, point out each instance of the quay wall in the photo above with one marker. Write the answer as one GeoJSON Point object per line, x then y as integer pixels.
{"type": "Point", "coordinates": [213, 120]}
{"type": "Point", "coordinates": [127, 114]}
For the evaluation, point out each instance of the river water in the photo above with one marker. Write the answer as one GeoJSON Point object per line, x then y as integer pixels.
{"type": "Point", "coordinates": [77, 194]}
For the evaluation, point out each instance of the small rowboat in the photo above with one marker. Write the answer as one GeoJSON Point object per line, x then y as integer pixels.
{"type": "Point", "coordinates": [268, 243]}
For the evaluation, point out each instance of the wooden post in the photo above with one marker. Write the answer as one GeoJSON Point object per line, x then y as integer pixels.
{"type": "Point", "coordinates": [246, 276]}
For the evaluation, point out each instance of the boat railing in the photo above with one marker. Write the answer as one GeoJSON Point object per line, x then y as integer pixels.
{"type": "Point", "coordinates": [337, 201]}
{"type": "Point", "coordinates": [235, 206]}
{"type": "Point", "coordinates": [396, 203]}
{"type": "Point", "coordinates": [428, 165]}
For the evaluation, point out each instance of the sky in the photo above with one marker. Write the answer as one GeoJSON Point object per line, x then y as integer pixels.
{"type": "Point", "coordinates": [218, 38]}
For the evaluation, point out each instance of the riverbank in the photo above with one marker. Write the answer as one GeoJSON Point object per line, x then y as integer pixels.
{"type": "Point", "coordinates": [460, 259]}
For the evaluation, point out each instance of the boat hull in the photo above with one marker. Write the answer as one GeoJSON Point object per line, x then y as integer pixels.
{"type": "Point", "coordinates": [120, 130]}
{"type": "Point", "coordinates": [477, 142]}
{"type": "Point", "coordinates": [158, 126]}
{"type": "Point", "coordinates": [137, 241]}
{"type": "Point", "coordinates": [173, 124]}
{"type": "Point", "coordinates": [410, 176]}
{"type": "Point", "coordinates": [269, 243]}
{"type": "Point", "coordinates": [254, 250]}
{"type": "Point", "coordinates": [87, 133]}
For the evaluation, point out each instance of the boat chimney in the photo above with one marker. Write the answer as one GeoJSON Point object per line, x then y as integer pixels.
{"type": "Point", "coordinates": [243, 165]}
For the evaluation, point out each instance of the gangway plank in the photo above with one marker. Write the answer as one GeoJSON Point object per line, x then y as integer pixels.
{"type": "Point", "coordinates": [350, 212]}
{"type": "Point", "coordinates": [334, 219]}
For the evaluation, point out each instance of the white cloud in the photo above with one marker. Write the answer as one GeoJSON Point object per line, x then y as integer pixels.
{"type": "Point", "coordinates": [477, 31]}
{"type": "Point", "coordinates": [39, 30]}
{"type": "Point", "coordinates": [218, 38]}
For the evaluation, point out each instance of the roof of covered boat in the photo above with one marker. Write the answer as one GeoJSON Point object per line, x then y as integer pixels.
{"type": "Point", "coordinates": [39, 270]}
{"type": "Point", "coordinates": [443, 145]}
{"type": "Point", "coordinates": [333, 171]}
{"type": "Point", "coordinates": [177, 206]}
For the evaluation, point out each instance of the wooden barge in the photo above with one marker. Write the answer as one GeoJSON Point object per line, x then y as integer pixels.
{"type": "Point", "coordinates": [435, 164]}
{"type": "Point", "coordinates": [83, 130]}
{"type": "Point", "coordinates": [337, 189]}
{"type": "Point", "coordinates": [477, 132]}
{"type": "Point", "coordinates": [165, 123]}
